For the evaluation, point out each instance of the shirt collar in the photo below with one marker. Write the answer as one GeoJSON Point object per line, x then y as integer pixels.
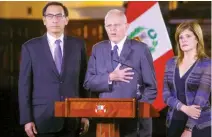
{"type": "Point", "coordinates": [52, 39]}
{"type": "Point", "coordinates": [120, 44]}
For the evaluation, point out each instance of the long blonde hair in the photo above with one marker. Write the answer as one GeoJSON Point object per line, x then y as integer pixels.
{"type": "Point", "coordinates": [196, 29]}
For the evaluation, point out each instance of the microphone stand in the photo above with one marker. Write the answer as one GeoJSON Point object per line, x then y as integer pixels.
{"type": "Point", "coordinates": [138, 119]}
{"type": "Point", "coordinates": [138, 97]}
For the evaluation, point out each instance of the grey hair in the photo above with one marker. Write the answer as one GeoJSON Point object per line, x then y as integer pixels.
{"type": "Point", "coordinates": [117, 12]}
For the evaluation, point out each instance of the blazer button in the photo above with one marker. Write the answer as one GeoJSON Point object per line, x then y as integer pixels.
{"type": "Point", "coordinates": [61, 82]}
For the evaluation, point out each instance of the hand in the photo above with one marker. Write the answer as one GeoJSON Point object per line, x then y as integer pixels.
{"type": "Point", "coordinates": [85, 124]}
{"type": "Point", "coordinates": [186, 133]}
{"type": "Point", "coordinates": [192, 111]}
{"type": "Point", "coordinates": [30, 129]}
{"type": "Point", "coordinates": [121, 75]}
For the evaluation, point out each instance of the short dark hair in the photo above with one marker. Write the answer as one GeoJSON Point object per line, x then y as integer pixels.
{"type": "Point", "coordinates": [55, 4]}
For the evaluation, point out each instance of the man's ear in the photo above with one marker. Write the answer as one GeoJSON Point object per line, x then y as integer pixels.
{"type": "Point", "coordinates": [127, 25]}
{"type": "Point", "coordinates": [66, 20]}
{"type": "Point", "coordinates": [44, 20]}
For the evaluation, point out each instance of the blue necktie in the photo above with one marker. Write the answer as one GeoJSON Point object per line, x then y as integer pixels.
{"type": "Point", "coordinates": [115, 57]}
{"type": "Point", "coordinates": [58, 55]}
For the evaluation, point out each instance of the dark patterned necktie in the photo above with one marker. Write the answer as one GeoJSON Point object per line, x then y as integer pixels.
{"type": "Point", "coordinates": [115, 57]}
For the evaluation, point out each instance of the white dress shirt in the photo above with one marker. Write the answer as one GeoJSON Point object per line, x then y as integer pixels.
{"type": "Point", "coordinates": [52, 45]}
{"type": "Point", "coordinates": [120, 45]}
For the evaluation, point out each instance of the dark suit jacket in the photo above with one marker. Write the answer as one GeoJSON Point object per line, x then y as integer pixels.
{"type": "Point", "coordinates": [135, 55]}
{"type": "Point", "coordinates": [40, 84]}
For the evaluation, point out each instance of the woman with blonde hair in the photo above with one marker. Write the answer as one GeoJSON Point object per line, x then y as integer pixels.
{"type": "Point", "coordinates": [187, 85]}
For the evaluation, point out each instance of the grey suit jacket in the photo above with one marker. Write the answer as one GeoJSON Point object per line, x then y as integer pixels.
{"type": "Point", "coordinates": [135, 55]}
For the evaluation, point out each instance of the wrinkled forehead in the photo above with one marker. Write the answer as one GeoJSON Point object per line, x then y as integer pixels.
{"type": "Point", "coordinates": [54, 9]}
{"type": "Point", "coordinates": [114, 19]}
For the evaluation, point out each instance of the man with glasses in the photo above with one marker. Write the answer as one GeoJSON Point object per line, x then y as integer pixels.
{"type": "Point", "coordinates": [52, 68]}
{"type": "Point", "coordinates": [122, 68]}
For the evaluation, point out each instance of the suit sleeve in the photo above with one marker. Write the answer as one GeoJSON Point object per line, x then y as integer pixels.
{"type": "Point", "coordinates": [93, 81]}
{"type": "Point", "coordinates": [203, 92]}
{"type": "Point", "coordinates": [25, 86]}
{"type": "Point", "coordinates": [148, 76]}
{"type": "Point", "coordinates": [83, 66]}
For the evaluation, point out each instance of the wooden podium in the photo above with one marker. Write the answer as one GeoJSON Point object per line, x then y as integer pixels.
{"type": "Point", "coordinates": [104, 108]}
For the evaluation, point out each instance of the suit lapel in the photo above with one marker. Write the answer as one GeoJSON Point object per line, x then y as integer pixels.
{"type": "Point", "coordinates": [125, 51]}
{"type": "Point", "coordinates": [107, 55]}
{"type": "Point", "coordinates": [173, 70]}
{"type": "Point", "coordinates": [65, 53]}
{"type": "Point", "coordinates": [49, 54]}
{"type": "Point", "coordinates": [69, 49]}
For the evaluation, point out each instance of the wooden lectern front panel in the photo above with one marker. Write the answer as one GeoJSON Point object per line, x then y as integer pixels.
{"type": "Point", "coordinates": [59, 109]}
{"type": "Point", "coordinates": [107, 108]}
{"type": "Point", "coordinates": [147, 110]}
{"type": "Point", "coordinates": [107, 130]}
{"type": "Point", "coordinates": [104, 108]}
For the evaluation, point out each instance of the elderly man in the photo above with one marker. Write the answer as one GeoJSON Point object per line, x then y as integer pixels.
{"type": "Point", "coordinates": [122, 68]}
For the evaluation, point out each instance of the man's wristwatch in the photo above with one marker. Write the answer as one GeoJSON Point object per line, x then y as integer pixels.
{"type": "Point", "coordinates": [188, 128]}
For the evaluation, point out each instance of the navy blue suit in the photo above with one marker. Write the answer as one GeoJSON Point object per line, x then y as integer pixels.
{"type": "Point", "coordinates": [135, 55]}
{"type": "Point", "coordinates": [40, 84]}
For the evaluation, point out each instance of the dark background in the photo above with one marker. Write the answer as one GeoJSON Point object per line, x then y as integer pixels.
{"type": "Point", "coordinates": [14, 32]}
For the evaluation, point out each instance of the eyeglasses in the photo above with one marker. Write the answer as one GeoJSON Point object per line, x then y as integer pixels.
{"type": "Point", "coordinates": [57, 16]}
{"type": "Point", "coordinates": [109, 26]}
